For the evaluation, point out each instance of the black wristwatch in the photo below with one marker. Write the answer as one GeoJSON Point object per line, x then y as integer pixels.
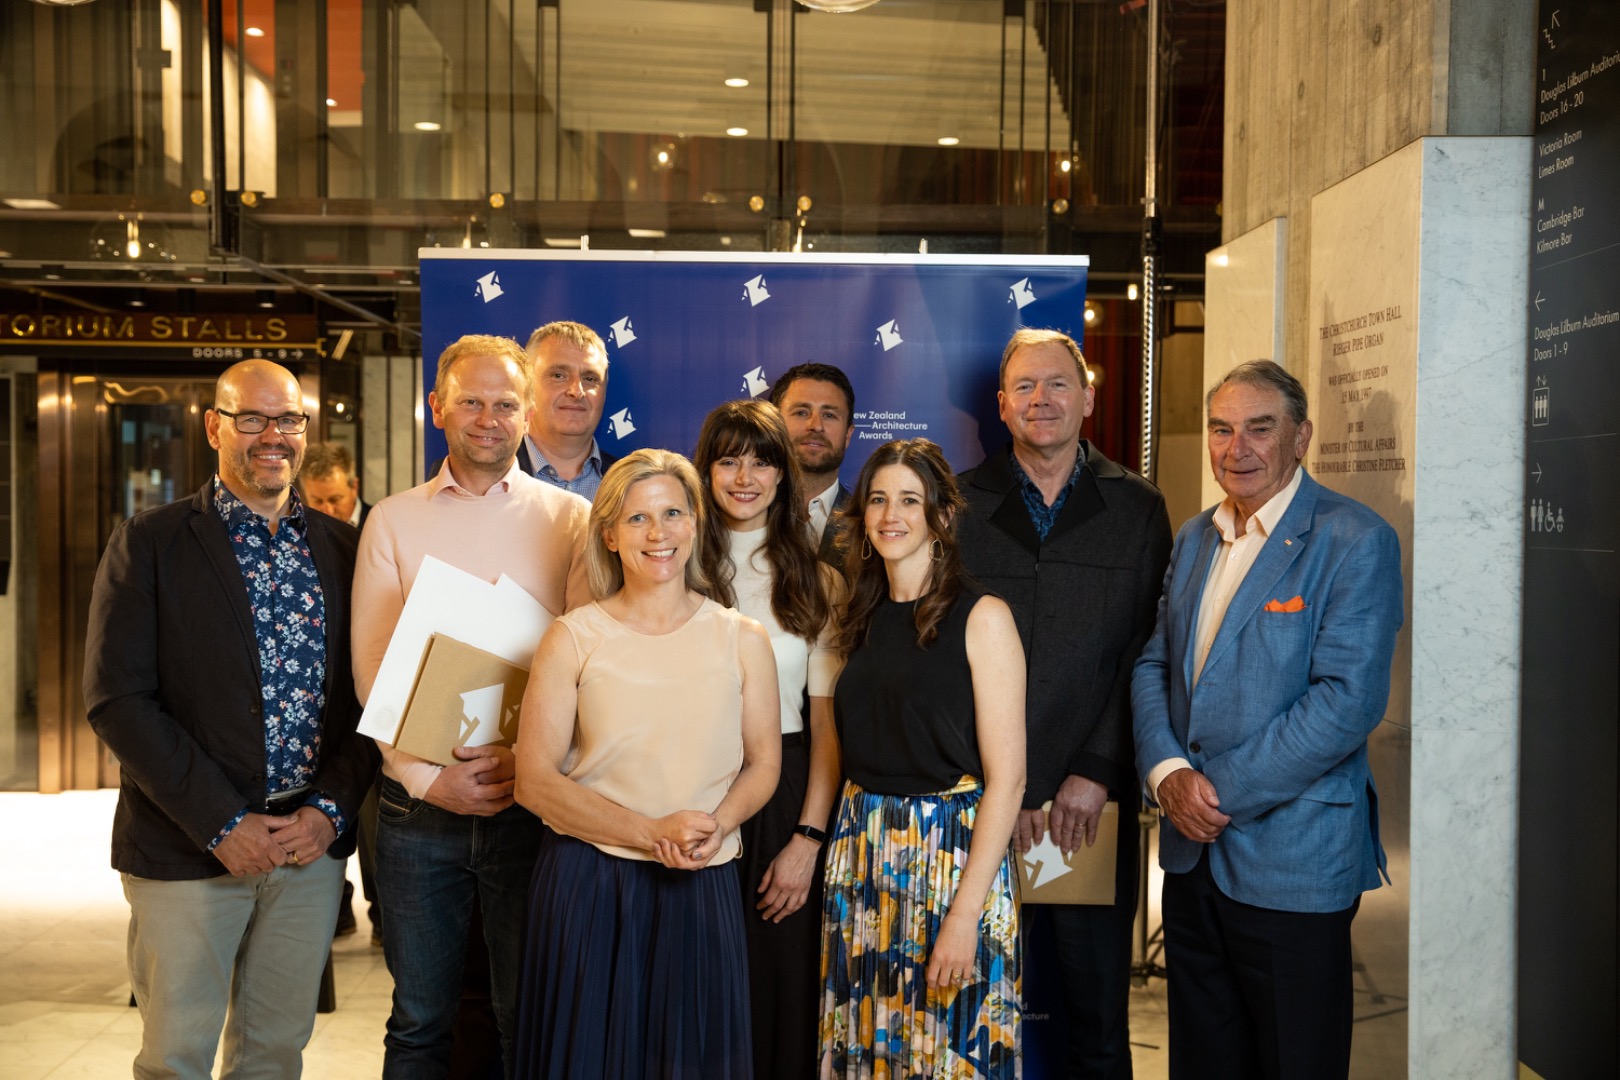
{"type": "Point", "coordinates": [812, 832]}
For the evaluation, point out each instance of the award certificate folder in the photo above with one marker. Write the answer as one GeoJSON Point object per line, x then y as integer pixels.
{"type": "Point", "coordinates": [1084, 876]}
{"type": "Point", "coordinates": [463, 696]}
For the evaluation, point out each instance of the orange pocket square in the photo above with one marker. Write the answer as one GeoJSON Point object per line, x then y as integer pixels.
{"type": "Point", "coordinates": [1296, 604]}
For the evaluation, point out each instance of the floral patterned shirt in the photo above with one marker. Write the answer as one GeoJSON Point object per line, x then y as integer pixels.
{"type": "Point", "coordinates": [289, 621]}
{"type": "Point", "coordinates": [1043, 517]}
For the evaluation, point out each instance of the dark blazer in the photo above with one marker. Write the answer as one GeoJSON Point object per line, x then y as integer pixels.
{"type": "Point", "coordinates": [831, 548]}
{"type": "Point", "coordinates": [171, 683]}
{"type": "Point", "coordinates": [1084, 603]}
{"type": "Point", "coordinates": [1279, 719]}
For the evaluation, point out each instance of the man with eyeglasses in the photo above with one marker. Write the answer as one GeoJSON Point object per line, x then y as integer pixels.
{"type": "Point", "coordinates": [217, 670]}
{"type": "Point", "coordinates": [450, 836]}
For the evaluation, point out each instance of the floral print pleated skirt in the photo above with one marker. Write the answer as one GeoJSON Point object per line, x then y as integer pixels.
{"type": "Point", "coordinates": [892, 870]}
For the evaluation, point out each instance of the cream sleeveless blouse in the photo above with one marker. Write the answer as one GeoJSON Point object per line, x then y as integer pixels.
{"type": "Point", "coordinates": [659, 727]}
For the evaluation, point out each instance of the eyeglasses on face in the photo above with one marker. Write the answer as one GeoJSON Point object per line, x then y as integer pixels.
{"type": "Point", "coordinates": [252, 423]}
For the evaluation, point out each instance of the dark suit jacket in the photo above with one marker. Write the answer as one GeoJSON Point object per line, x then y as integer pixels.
{"type": "Point", "coordinates": [171, 682]}
{"type": "Point", "coordinates": [831, 549]}
{"type": "Point", "coordinates": [1084, 603]}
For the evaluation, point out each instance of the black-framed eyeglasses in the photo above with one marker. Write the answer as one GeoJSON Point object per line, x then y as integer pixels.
{"type": "Point", "coordinates": [252, 423]}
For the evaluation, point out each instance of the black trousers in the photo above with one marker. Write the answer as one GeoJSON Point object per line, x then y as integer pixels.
{"type": "Point", "coordinates": [1254, 992]}
{"type": "Point", "coordinates": [1093, 953]}
{"type": "Point", "coordinates": [784, 959]}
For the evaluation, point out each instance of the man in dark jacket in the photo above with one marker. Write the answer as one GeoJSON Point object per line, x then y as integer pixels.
{"type": "Point", "coordinates": [217, 670]}
{"type": "Point", "coordinates": [1077, 546]}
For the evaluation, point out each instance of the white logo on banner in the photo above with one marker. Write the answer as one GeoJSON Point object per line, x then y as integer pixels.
{"type": "Point", "coordinates": [1022, 294]}
{"type": "Point", "coordinates": [489, 286]}
{"type": "Point", "coordinates": [1045, 860]}
{"type": "Point", "coordinates": [622, 333]}
{"type": "Point", "coordinates": [889, 335]}
{"type": "Point", "coordinates": [481, 715]}
{"type": "Point", "coordinates": [754, 291]}
{"type": "Point", "coordinates": [621, 424]}
{"type": "Point", "coordinates": [754, 383]}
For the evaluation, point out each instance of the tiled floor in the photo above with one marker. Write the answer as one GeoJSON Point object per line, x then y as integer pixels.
{"type": "Point", "coordinates": [64, 992]}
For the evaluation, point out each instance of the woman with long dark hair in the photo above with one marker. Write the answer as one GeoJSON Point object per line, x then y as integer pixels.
{"type": "Point", "coordinates": [648, 737]}
{"type": "Point", "coordinates": [756, 552]}
{"type": "Point", "coordinates": [921, 972]}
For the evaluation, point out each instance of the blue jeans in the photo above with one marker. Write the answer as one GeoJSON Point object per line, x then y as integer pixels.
{"type": "Point", "coordinates": [431, 866]}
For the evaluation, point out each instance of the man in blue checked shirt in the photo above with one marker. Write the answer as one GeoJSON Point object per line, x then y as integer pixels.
{"type": "Point", "coordinates": [217, 670]}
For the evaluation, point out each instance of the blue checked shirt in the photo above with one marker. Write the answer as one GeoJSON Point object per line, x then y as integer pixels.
{"type": "Point", "coordinates": [585, 484]}
{"type": "Point", "coordinates": [1043, 517]}
{"type": "Point", "coordinates": [289, 622]}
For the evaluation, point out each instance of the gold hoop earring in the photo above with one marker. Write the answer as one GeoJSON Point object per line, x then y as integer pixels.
{"type": "Point", "coordinates": [866, 548]}
{"type": "Point", "coordinates": [936, 550]}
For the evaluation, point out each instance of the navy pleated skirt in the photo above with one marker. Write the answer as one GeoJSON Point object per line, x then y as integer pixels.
{"type": "Point", "coordinates": [631, 970]}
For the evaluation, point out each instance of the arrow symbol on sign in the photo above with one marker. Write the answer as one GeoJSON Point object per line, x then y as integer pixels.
{"type": "Point", "coordinates": [1538, 299]}
{"type": "Point", "coordinates": [1537, 473]}
{"type": "Point", "coordinates": [1045, 862]}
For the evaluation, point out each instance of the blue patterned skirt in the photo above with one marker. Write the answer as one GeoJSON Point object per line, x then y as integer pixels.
{"type": "Point", "coordinates": [892, 871]}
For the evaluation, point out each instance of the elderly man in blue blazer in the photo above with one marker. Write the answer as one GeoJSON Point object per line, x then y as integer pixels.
{"type": "Point", "coordinates": [1267, 670]}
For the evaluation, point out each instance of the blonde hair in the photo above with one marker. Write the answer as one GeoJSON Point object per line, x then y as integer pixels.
{"type": "Point", "coordinates": [471, 345]}
{"type": "Point", "coordinates": [1028, 338]}
{"type": "Point", "coordinates": [602, 565]}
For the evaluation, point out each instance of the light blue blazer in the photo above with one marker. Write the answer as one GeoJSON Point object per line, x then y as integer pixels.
{"type": "Point", "coordinates": [1280, 717]}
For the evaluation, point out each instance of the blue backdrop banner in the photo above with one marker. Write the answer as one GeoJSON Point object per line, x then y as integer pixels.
{"type": "Point", "coordinates": [920, 337]}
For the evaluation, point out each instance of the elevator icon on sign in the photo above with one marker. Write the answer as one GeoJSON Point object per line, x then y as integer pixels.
{"type": "Point", "coordinates": [1540, 407]}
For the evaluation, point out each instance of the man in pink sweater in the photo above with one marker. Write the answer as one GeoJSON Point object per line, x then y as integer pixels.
{"type": "Point", "coordinates": [448, 836]}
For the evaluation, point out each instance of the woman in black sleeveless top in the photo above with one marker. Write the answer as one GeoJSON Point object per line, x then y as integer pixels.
{"type": "Point", "coordinates": [920, 954]}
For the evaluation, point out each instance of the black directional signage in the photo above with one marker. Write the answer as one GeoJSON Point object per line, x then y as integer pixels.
{"type": "Point", "coordinates": [1569, 996]}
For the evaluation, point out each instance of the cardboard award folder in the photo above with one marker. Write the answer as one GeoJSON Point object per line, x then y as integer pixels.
{"type": "Point", "coordinates": [1084, 876]}
{"type": "Point", "coordinates": [463, 696]}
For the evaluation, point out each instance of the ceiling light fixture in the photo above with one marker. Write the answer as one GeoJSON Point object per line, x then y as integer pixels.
{"type": "Point", "coordinates": [736, 132]}
{"type": "Point", "coordinates": [948, 140]}
{"type": "Point", "coordinates": [736, 82]}
{"type": "Point", "coordinates": [331, 103]}
{"type": "Point", "coordinates": [837, 7]}
{"type": "Point", "coordinates": [254, 31]}
{"type": "Point", "coordinates": [426, 125]}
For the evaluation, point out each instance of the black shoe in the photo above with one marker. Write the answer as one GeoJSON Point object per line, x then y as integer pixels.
{"type": "Point", "coordinates": [345, 923]}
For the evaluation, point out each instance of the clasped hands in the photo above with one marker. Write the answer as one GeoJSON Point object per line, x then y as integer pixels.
{"type": "Point", "coordinates": [686, 839]}
{"type": "Point", "coordinates": [1188, 799]}
{"type": "Point", "coordinates": [260, 843]}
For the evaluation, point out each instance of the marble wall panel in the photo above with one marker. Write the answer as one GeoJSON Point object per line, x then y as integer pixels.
{"type": "Point", "coordinates": [1416, 396]}
{"type": "Point", "coordinates": [1243, 290]}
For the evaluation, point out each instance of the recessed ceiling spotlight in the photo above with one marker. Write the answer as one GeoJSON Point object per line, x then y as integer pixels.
{"type": "Point", "coordinates": [737, 82]}
{"type": "Point", "coordinates": [254, 31]}
{"type": "Point", "coordinates": [736, 132]}
{"type": "Point", "coordinates": [426, 125]}
{"type": "Point", "coordinates": [331, 103]}
{"type": "Point", "coordinates": [1132, 292]}
{"type": "Point", "coordinates": [1065, 165]}
{"type": "Point", "coordinates": [948, 140]}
